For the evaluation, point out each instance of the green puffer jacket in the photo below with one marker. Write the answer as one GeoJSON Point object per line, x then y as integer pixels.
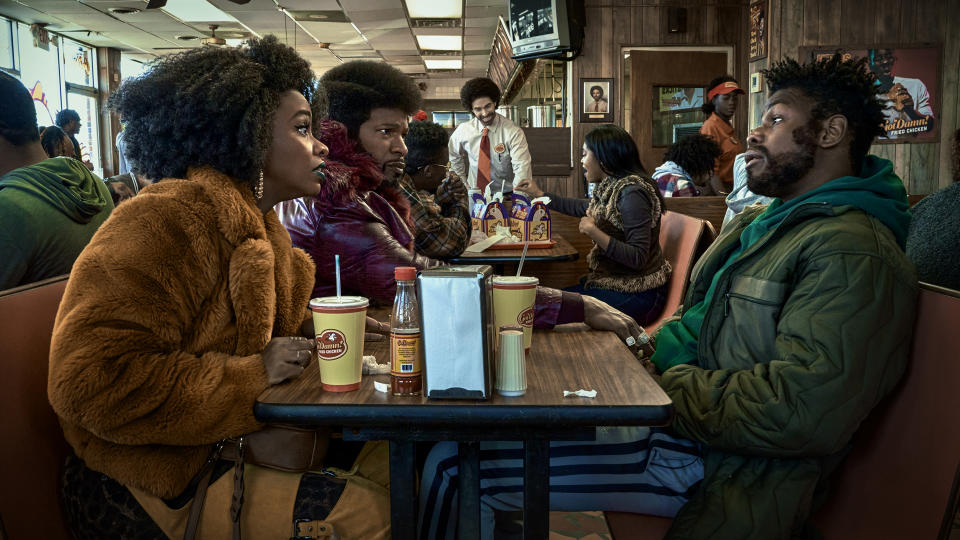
{"type": "Point", "coordinates": [828, 299]}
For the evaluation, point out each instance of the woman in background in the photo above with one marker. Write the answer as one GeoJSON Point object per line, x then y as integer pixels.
{"type": "Point", "coordinates": [720, 107]}
{"type": "Point", "coordinates": [56, 142]}
{"type": "Point", "coordinates": [626, 266]}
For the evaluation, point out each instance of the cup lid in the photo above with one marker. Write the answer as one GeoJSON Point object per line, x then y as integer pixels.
{"type": "Point", "coordinates": [515, 280]}
{"type": "Point", "coordinates": [339, 302]}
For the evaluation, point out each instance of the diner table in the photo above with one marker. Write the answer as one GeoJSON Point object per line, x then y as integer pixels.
{"type": "Point", "coordinates": [499, 257]}
{"type": "Point", "coordinates": [570, 357]}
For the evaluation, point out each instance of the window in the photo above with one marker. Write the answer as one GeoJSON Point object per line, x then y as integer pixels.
{"type": "Point", "coordinates": [40, 73]}
{"type": "Point", "coordinates": [8, 59]}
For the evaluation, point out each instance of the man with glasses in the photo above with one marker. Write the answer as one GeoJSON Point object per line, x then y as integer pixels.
{"type": "Point", "coordinates": [438, 198]}
{"type": "Point", "coordinates": [495, 147]}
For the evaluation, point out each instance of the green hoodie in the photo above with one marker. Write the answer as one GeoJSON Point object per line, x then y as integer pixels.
{"type": "Point", "coordinates": [48, 213]}
{"type": "Point", "coordinates": [878, 192]}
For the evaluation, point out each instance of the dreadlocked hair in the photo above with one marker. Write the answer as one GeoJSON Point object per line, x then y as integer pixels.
{"type": "Point", "coordinates": [695, 154]}
{"type": "Point", "coordinates": [209, 107]}
{"type": "Point", "coordinates": [836, 87]}
{"type": "Point", "coordinates": [425, 141]}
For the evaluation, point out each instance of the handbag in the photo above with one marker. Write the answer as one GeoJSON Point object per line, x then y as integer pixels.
{"type": "Point", "coordinates": [284, 448]}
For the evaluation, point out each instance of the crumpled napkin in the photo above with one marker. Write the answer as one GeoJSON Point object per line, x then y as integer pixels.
{"type": "Point", "coordinates": [580, 393]}
{"type": "Point", "coordinates": [371, 367]}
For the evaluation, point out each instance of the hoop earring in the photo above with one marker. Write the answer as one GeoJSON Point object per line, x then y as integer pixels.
{"type": "Point", "coordinates": [258, 188]}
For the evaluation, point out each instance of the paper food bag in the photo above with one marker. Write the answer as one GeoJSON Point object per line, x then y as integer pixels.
{"type": "Point", "coordinates": [530, 220]}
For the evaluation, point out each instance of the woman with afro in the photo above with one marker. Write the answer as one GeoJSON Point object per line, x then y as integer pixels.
{"type": "Point", "coordinates": [189, 302]}
{"type": "Point", "coordinates": [687, 170]}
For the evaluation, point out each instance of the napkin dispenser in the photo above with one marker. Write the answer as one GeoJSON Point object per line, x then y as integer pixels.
{"type": "Point", "coordinates": [456, 318]}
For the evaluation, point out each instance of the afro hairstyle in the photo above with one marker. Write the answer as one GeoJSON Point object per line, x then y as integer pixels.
{"type": "Point", "coordinates": [66, 116]}
{"type": "Point", "coordinates": [425, 141]}
{"type": "Point", "coordinates": [209, 106]}
{"type": "Point", "coordinates": [695, 154]}
{"type": "Point", "coordinates": [707, 106]}
{"type": "Point", "coordinates": [836, 87]}
{"type": "Point", "coordinates": [356, 88]}
{"type": "Point", "coordinates": [18, 117]}
{"type": "Point", "coordinates": [477, 88]}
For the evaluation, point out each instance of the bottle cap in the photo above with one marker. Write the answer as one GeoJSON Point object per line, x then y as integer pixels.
{"type": "Point", "coordinates": [405, 273]}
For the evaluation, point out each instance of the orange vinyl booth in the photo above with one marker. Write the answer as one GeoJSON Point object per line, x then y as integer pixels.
{"type": "Point", "coordinates": [902, 479]}
{"type": "Point", "coordinates": [33, 450]}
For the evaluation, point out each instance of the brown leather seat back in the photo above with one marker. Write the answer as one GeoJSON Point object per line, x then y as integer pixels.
{"type": "Point", "coordinates": [680, 240]}
{"type": "Point", "coordinates": [897, 481]}
{"type": "Point", "coordinates": [32, 450]}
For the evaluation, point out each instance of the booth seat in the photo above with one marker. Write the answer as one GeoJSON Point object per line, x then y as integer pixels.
{"type": "Point", "coordinates": [902, 479]}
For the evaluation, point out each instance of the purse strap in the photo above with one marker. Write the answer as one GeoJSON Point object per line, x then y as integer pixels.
{"type": "Point", "coordinates": [196, 506]}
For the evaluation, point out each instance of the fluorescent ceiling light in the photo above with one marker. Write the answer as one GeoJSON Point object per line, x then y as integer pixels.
{"type": "Point", "coordinates": [443, 63]}
{"type": "Point", "coordinates": [435, 9]}
{"type": "Point", "coordinates": [195, 11]}
{"type": "Point", "coordinates": [440, 43]}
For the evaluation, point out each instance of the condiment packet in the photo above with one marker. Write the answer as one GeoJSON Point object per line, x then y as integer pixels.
{"type": "Point", "coordinates": [371, 367]}
{"type": "Point", "coordinates": [381, 387]}
{"type": "Point", "coordinates": [580, 393]}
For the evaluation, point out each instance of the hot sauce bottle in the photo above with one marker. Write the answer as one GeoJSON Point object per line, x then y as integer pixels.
{"type": "Point", "coordinates": [406, 352]}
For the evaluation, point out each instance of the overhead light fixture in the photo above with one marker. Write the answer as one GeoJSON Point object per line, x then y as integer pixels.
{"type": "Point", "coordinates": [440, 43]}
{"type": "Point", "coordinates": [124, 10]}
{"type": "Point", "coordinates": [443, 63]}
{"type": "Point", "coordinates": [195, 11]}
{"type": "Point", "coordinates": [435, 9]}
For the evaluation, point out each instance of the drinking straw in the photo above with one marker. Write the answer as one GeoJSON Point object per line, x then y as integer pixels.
{"type": "Point", "coordinates": [336, 259]}
{"type": "Point", "coordinates": [522, 257]}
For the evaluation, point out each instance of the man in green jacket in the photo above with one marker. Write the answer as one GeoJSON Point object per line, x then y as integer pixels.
{"type": "Point", "coordinates": [49, 208]}
{"type": "Point", "coordinates": [796, 323]}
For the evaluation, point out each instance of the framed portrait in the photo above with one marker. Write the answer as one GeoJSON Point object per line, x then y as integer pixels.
{"type": "Point", "coordinates": [596, 100]}
{"type": "Point", "coordinates": [758, 29]}
{"type": "Point", "coordinates": [908, 84]}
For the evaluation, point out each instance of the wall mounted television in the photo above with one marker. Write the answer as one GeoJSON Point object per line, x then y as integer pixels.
{"type": "Point", "coordinates": [541, 28]}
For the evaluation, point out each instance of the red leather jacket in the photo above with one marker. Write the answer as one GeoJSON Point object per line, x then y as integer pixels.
{"type": "Point", "coordinates": [353, 217]}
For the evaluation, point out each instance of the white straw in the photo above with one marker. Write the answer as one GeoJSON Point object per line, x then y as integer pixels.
{"type": "Point", "coordinates": [336, 259]}
{"type": "Point", "coordinates": [522, 257]}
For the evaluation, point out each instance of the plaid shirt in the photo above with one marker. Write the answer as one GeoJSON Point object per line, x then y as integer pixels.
{"type": "Point", "coordinates": [674, 185]}
{"type": "Point", "coordinates": [442, 222]}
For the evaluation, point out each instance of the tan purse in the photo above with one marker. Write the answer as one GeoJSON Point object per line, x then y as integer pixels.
{"type": "Point", "coordinates": [285, 448]}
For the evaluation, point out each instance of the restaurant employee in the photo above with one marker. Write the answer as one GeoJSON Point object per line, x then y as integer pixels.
{"type": "Point", "coordinates": [495, 147]}
{"type": "Point", "coordinates": [720, 106]}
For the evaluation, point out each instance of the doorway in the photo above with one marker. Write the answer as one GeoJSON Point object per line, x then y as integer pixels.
{"type": "Point", "coordinates": [666, 90]}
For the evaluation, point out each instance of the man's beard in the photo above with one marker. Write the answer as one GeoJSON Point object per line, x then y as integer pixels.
{"type": "Point", "coordinates": [786, 169]}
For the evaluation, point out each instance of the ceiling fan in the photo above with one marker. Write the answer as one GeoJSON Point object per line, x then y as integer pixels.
{"type": "Point", "coordinates": [154, 4]}
{"type": "Point", "coordinates": [213, 40]}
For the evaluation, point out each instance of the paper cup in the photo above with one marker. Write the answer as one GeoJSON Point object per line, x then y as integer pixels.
{"type": "Point", "coordinates": [513, 299]}
{"type": "Point", "coordinates": [339, 323]}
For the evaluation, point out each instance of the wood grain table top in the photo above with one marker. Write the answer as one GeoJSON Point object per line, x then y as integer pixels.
{"type": "Point", "coordinates": [570, 357]}
{"type": "Point", "coordinates": [562, 251]}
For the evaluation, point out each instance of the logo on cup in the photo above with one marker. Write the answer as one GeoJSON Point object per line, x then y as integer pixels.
{"type": "Point", "coordinates": [331, 344]}
{"type": "Point", "coordinates": [525, 318]}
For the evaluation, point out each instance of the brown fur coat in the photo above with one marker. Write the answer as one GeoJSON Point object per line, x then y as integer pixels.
{"type": "Point", "coordinates": [156, 346]}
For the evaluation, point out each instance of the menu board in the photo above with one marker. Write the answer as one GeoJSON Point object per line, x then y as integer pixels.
{"type": "Point", "coordinates": [501, 65]}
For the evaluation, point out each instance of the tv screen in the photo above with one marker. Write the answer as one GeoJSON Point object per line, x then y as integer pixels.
{"type": "Point", "coordinates": [538, 26]}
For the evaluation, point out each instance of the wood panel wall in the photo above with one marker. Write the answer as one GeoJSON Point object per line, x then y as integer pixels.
{"type": "Point", "coordinates": [923, 167]}
{"type": "Point", "coordinates": [613, 24]}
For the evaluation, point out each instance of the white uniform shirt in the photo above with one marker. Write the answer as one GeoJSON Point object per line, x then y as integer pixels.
{"type": "Point", "coordinates": [509, 154]}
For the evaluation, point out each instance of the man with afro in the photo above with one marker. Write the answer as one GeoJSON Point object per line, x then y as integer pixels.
{"type": "Point", "coordinates": [49, 207]}
{"type": "Point", "coordinates": [489, 150]}
{"type": "Point", "coordinates": [795, 325]}
{"type": "Point", "coordinates": [688, 168]}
